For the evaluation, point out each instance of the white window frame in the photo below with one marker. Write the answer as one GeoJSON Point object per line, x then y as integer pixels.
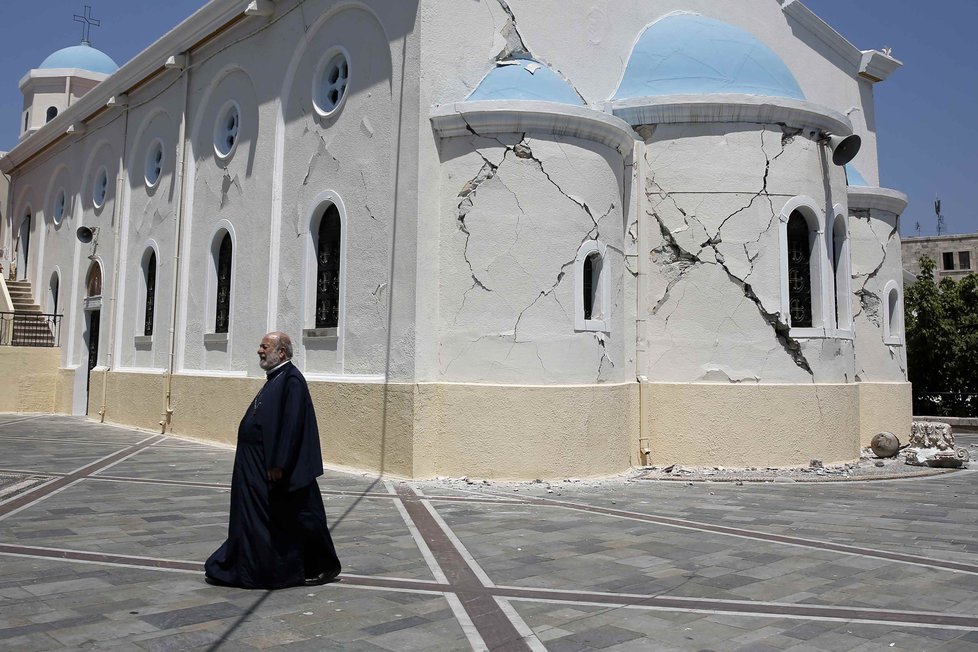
{"type": "Point", "coordinates": [317, 81]}
{"type": "Point", "coordinates": [213, 254]}
{"type": "Point", "coordinates": [317, 210]}
{"type": "Point", "coordinates": [220, 131]}
{"type": "Point", "coordinates": [602, 285]}
{"type": "Point", "coordinates": [820, 261]}
{"type": "Point", "coordinates": [889, 337]}
{"type": "Point", "coordinates": [841, 274]}
{"type": "Point", "coordinates": [140, 307]}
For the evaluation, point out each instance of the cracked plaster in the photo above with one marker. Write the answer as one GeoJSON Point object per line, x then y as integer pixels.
{"type": "Point", "coordinates": [516, 232]}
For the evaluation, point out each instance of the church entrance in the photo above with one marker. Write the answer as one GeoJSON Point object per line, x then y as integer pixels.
{"type": "Point", "coordinates": [23, 247]}
{"type": "Point", "coordinates": [93, 327]}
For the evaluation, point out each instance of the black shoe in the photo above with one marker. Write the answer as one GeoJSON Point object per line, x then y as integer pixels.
{"type": "Point", "coordinates": [213, 581]}
{"type": "Point", "coordinates": [323, 578]}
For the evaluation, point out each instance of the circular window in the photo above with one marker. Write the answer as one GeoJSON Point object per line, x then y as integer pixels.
{"type": "Point", "coordinates": [100, 188]}
{"type": "Point", "coordinates": [331, 82]}
{"type": "Point", "coordinates": [58, 209]}
{"type": "Point", "coordinates": [154, 163]}
{"type": "Point", "coordinates": [226, 130]}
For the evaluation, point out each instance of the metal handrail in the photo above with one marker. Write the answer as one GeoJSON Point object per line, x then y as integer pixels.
{"type": "Point", "coordinates": [30, 329]}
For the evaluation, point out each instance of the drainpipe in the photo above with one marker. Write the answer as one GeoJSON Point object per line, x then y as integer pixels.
{"type": "Point", "coordinates": [120, 199]}
{"type": "Point", "coordinates": [641, 301]}
{"type": "Point", "coordinates": [183, 62]}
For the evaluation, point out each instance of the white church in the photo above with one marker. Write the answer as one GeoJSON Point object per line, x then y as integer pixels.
{"type": "Point", "coordinates": [510, 238]}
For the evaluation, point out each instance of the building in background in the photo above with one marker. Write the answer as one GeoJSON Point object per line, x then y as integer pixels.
{"type": "Point", "coordinates": [954, 255]}
{"type": "Point", "coordinates": [513, 240]}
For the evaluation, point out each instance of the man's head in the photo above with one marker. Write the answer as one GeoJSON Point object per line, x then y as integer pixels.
{"type": "Point", "coordinates": [275, 348]}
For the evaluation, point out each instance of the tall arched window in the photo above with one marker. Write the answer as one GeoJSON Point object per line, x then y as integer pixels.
{"type": "Point", "coordinates": [892, 314]}
{"type": "Point", "coordinates": [93, 282]}
{"type": "Point", "coordinates": [149, 276]}
{"type": "Point", "coordinates": [51, 114]}
{"type": "Point", "coordinates": [53, 288]}
{"type": "Point", "coordinates": [328, 269]}
{"type": "Point", "coordinates": [592, 304]}
{"type": "Point", "coordinates": [799, 271]}
{"type": "Point", "coordinates": [223, 306]}
{"type": "Point", "coordinates": [841, 273]}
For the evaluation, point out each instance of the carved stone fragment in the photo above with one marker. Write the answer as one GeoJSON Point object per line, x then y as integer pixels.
{"type": "Point", "coordinates": [932, 444]}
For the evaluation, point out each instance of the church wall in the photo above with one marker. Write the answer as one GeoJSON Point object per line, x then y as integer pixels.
{"type": "Point", "coordinates": [714, 197]}
{"type": "Point", "coordinates": [746, 425]}
{"type": "Point", "coordinates": [877, 266]}
{"type": "Point", "coordinates": [528, 432]}
{"type": "Point", "coordinates": [885, 407]}
{"type": "Point", "coordinates": [346, 159]}
{"type": "Point", "coordinates": [513, 221]}
{"type": "Point", "coordinates": [36, 372]}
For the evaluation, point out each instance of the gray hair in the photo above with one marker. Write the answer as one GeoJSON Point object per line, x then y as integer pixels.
{"type": "Point", "coordinates": [283, 342]}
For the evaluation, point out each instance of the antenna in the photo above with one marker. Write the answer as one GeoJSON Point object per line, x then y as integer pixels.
{"type": "Point", "coordinates": [87, 23]}
{"type": "Point", "coordinates": [940, 218]}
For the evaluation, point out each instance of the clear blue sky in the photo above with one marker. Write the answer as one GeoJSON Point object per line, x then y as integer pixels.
{"type": "Point", "coordinates": [928, 140]}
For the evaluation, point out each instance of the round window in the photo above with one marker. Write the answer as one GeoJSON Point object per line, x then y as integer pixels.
{"type": "Point", "coordinates": [331, 82]}
{"type": "Point", "coordinates": [58, 209]}
{"type": "Point", "coordinates": [154, 163]}
{"type": "Point", "coordinates": [226, 130]}
{"type": "Point", "coordinates": [100, 187]}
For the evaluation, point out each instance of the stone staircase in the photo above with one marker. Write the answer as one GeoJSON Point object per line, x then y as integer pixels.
{"type": "Point", "coordinates": [30, 326]}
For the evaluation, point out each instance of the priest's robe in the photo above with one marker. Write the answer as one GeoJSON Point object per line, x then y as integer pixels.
{"type": "Point", "coordinates": [277, 531]}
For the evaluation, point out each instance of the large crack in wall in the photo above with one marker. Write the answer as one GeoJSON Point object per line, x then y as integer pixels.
{"type": "Point", "coordinates": [679, 260]}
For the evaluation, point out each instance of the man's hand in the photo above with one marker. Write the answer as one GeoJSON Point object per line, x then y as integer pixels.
{"type": "Point", "coordinates": [275, 474]}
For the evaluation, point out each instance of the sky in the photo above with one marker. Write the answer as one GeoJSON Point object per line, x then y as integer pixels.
{"type": "Point", "coordinates": [926, 131]}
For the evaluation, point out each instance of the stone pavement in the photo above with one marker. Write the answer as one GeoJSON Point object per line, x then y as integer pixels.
{"type": "Point", "coordinates": [103, 531]}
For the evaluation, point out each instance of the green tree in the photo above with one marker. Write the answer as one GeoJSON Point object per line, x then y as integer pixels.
{"type": "Point", "coordinates": [942, 343]}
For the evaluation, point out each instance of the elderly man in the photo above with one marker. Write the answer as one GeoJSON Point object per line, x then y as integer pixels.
{"type": "Point", "coordinates": [277, 532]}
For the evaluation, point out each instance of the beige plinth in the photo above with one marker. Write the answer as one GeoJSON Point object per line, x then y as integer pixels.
{"type": "Point", "coordinates": [30, 378]}
{"type": "Point", "coordinates": [885, 407]}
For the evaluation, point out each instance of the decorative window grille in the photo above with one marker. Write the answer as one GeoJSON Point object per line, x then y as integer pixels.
{"type": "Point", "coordinates": [223, 285]}
{"type": "Point", "coordinates": [328, 270]}
{"type": "Point", "coordinates": [150, 293]}
{"type": "Point", "coordinates": [799, 271]}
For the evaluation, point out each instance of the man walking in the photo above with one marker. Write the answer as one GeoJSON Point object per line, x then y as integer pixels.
{"type": "Point", "coordinates": [277, 532]}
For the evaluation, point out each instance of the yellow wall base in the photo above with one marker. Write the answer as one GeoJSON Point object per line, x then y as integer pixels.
{"type": "Point", "coordinates": [30, 378]}
{"type": "Point", "coordinates": [528, 432]}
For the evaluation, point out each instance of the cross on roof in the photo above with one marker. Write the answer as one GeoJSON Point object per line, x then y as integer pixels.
{"type": "Point", "coordinates": [88, 23]}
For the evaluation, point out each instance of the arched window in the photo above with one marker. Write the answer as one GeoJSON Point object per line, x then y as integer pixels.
{"type": "Point", "coordinates": [149, 276]}
{"type": "Point", "coordinates": [223, 305]}
{"type": "Point", "coordinates": [892, 314]}
{"type": "Point", "coordinates": [328, 269]}
{"type": "Point", "coordinates": [23, 245]}
{"type": "Point", "coordinates": [53, 287]}
{"type": "Point", "coordinates": [841, 273]}
{"type": "Point", "coordinates": [799, 271]}
{"type": "Point", "coordinates": [93, 282]}
{"type": "Point", "coordinates": [591, 302]}
{"type": "Point", "coordinates": [51, 114]}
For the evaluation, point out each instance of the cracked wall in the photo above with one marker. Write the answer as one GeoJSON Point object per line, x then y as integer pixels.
{"type": "Point", "coordinates": [876, 260]}
{"type": "Point", "coordinates": [514, 214]}
{"type": "Point", "coordinates": [713, 199]}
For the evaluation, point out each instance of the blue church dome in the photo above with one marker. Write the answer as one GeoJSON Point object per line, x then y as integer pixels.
{"type": "Point", "coordinates": [83, 57]}
{"type": "Point", "coordinates": [853, 178]}
{"type": "Point", "coordinates": [683, 54]}
{"type": "Point", "coordinates": [525, 79]}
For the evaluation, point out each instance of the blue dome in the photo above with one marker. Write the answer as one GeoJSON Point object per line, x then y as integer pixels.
{"type": "Point", "coordinates": [683, 54]}
{"type": "Point", "coordinates": [525, 79]}
{"type": "Point", "coordinates": [853, 178]}
{"type": "Point", "coordinates": [83, 57]}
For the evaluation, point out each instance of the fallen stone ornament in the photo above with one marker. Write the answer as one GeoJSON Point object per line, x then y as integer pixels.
{"type": "Point", "coordinates": [932, 444]}
{"type": "Point", "coordinates": [885, 444]}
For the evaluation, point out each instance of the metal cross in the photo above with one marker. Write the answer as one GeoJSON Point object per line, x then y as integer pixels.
{"type": "Point", "coordinates": [88, 23]}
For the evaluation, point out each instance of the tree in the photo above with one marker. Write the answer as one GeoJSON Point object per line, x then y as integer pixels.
{"type": "Point", "coordinates": [942, 343]}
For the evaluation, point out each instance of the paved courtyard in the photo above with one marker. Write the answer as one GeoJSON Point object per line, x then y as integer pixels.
{"type": "Point", "coordinates": [103, 533]}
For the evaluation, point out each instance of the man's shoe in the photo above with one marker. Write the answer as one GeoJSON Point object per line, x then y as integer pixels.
{"type": "Point", "coordinates": [323, 578]}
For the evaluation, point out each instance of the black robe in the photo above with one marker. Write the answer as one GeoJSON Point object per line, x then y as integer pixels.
{"type": "Point", "coordinates": [277, 532]}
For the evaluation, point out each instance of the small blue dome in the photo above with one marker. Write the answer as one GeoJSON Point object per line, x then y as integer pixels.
{"type": "Point", "coordinates": [683, 54]}
{"type": "Point", "coordinates": [524, 79]}
{"type": "Point", "coordinates": [853, 178]}
{"type": "Point", "coordinates": [83, 57]}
